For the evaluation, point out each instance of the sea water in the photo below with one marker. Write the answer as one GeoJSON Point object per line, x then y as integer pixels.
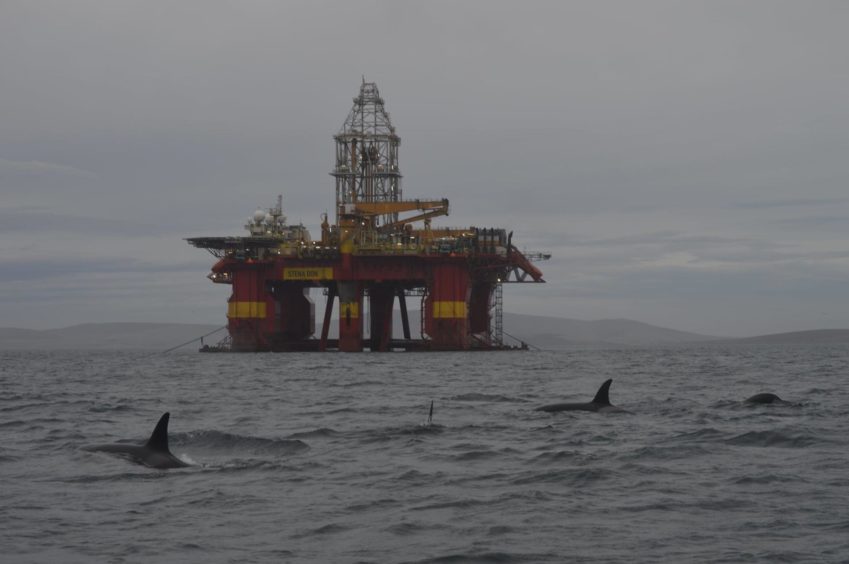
{"type": "Point", "coordinates": [328, 457]}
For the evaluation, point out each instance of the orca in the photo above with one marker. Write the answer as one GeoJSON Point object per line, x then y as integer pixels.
{"type": "Point", "coordinates": [600, 403]}
{"type": "Point", "coordinates": [154, 453]}
{"type": "Point", "coordinates": [765, 398]}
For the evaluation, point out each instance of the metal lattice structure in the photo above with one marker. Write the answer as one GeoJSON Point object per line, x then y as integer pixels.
{"type": "Point", "coordinates": [367, 155]}
{"type": "Point", "coordinates": [497, 330]}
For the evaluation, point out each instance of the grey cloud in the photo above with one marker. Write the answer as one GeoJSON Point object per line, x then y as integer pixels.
{"type": "Point", "coordinates": [63, 269]}
{"type": "Point", "coordinates": [790, 203]}
{"type": "Point", "coordinates": [613, 135]}
{"type": "Point", "coordinates": [840, 222]}
{"type": "Point", "coordinates": [793, 281]}
{"type": "Point", "coordinates": [27, 221]}
{"type": "Point", "coordinates": [10, 168]}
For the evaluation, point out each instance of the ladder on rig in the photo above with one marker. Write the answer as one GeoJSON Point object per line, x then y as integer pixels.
{"type": "Point", "coordinates": [497, 329]}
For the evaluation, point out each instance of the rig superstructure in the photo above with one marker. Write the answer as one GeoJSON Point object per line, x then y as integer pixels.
{"type": "Point", "coordinates": [380, 248]}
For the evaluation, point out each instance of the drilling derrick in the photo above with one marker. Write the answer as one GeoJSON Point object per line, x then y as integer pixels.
{"type": "Point", "coordinates": [380, 249]}
{"type": "Point", "coordinates": [367, 155]}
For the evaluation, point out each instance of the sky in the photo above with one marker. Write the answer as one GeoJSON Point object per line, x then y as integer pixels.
{"type": "Point", "coordinates": [685, 163]}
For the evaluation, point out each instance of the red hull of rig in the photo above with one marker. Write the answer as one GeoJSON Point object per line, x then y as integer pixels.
{"type": "Point", "coordinates": [371, 257]}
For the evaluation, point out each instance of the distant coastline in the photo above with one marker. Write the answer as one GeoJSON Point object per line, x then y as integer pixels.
{"type": "Point", "coordinates": [107, 336]}
{"type": "Point", "coordinates": [817, 336]}
{"type": "Point", "coordinates": [548, 333]}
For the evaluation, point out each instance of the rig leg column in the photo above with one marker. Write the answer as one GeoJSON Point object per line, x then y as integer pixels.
{"type": "Point", "coordinates": [328, 310]}
{"type": "Point", "coordinates": [480, 302]}
{"type": "Point", "coordinates": [405, 319]}
{"type": "Point", "coordinates": [381, 299]}
{"type": "Point", "coordinates": [446, 320]}
{"type": "Point", "coordinates": [250, 310]}
{"type": "Point", "coordinates": [350, 320]}
{"type": "Point", "coordinates": [295, 316]}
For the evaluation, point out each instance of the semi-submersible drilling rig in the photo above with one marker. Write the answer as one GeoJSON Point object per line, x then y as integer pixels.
{"type": "Point", "coordinates": [381, 248]}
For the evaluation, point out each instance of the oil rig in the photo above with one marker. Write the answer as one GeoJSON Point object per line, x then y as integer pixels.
{"type": "Point", "coordinates": [380, 248]}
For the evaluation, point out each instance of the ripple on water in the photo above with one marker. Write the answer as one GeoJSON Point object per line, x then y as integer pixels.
{"type": "Point", "coordinates": [774, 438]}
{"type": "Point", "coordinates": [768, 478]}
{"type": "Point", "coordinates": [218, 441]}
{"type": "Point", "coordinates": [567, 477]}
{"type": "Point", "coordinates": [473, 397]}
{"type": "Point", "coordinates": [693, 477]}
{"type": "Point", "coordinates": [322, 433]}
{"type": "Point", "coordinates": [325, 530]}
{"type": "Point", "coordinates": [488, 558]}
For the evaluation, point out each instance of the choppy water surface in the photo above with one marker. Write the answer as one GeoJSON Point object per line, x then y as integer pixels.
{"type": "Point", "coordinates": [325, 458]}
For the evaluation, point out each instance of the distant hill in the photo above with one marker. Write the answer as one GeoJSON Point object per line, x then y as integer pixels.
{"type": "Point", "coordinates": [543, 332]}
{"type": "Point", "coordinates": [559, 333]}
{"type": "Point", "coordinates": [550, 333]}
{"type": "Point", "coordinates": [819, 336]}
{"type": "Point", "coordinates": [107, 336]}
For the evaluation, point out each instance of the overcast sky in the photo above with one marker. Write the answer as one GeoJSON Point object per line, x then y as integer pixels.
{"type": "Point", "coordinates": [686, 163]}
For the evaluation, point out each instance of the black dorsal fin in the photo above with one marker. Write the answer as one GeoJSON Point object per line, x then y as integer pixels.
{"type": "Point", "coordinates": [159, 439]}
{"type": "Point", "coordinates": [602, 396]}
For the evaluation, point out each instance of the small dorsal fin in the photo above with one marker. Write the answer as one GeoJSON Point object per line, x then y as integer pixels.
{"type": "Point", "coordinates": [159, 439]}
{"type": "Point", "coordinates": [430, 415]}
{"type": "Point", "coordinates": [602, 396]}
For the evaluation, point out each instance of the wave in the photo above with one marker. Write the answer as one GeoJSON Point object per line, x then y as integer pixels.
{"type": "Point", "coordinates": [38, 423]}
{"type": "Point", "coordinates": [376, 504]}
{"type": "Point", "coordinates": [558, 456]}
{"type": "Point", "coordinates": [420, 429]}
{"type": "Point", "coordinates": [238, 465]}
{"type": "Point", "coordinates": [390, 433]}
{"type": "Point", "coordinates": [417, 477]}
{"type": "Point", "coordinates": [464, 503]}
{"type": "Point", "coordinates": [324, 530]}
{"type": "Point", "coordinates": [773, 439]}
{"type": "Point", "coordinates": [360, 383]}
{"type": "Point", "coordinates": [768, 479]}
{"type": "Point", "coordinates": [321, 433]}
{"type": "Point", "coordinates": [574, 477]}
{"type": "Point", "coordinates": [471, 455]}
{"type": "Point", "coordinates": [487, 397]}
{"type": "Point", "coordinates": [217, 440]}
{"type": "Point", "coordinates": [488, 558]}
{"type": "Point", "coordinates": [705, 434]}
{"type": "Point", "coordinates": [47, 402]}
{"type": "Point", "coordinates": [406, 528]}
{"type": "Point", "coordinates": [142, 475]}
{"type": "Point", "coordinates": [121, 407]}
{"type": "Point", "coordinates": [14, 424]}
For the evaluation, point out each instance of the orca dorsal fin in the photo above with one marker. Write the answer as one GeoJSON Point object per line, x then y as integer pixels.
{"type": "Point", "coordinates": [602, 396]}
{"type": "Point", "coordinates": [159, 439]}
